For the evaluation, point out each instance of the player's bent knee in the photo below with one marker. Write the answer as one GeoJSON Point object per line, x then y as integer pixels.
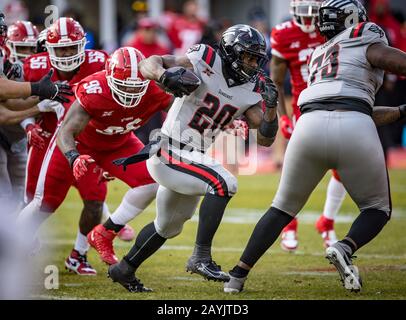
{"type": "Point", "coordinates": [232, 184]}
{"type": "Point", "coordinates": [171, 228]}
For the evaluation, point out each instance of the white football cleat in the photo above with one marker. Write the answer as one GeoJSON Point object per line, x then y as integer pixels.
{"type": "Point", "coordinates": [348, 272]}
{"type": "Point", "coordinates": [235, 285]}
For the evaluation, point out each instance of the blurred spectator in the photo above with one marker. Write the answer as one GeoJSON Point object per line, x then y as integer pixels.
{"type": "Point", "coordinates": [146, 40]}
{"type": "Point", "coordinates": [15, 10]}
{"type": "Point", "coordinates": [126, 31]}
{"type": "Point", "coordinates": [213, 30]}
{"type": "Point", "coordinates": [380, 13]}
{"type": "Point", "coordinates": [186, 29]}
{"type": "Point", "coordinates": [92, 42]}
{"type": "Point", "coordinates": [258, 19]}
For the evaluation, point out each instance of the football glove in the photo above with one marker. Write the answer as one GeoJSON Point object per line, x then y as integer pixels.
{"type": "Point", "coordinates": [239, 128]}
{"type": "Point", "coordinates": [46, 89]}
{"type": "Point", "coordinates": [35, 136]}
{"type": "Point", "coordinates": [286, 126]}
{"type": "Point", "coordinates": [179, 81]}
{"type": "Point", "coordinates": [268, 92]}
{"type": "Point", "coordinates": [81, 165]}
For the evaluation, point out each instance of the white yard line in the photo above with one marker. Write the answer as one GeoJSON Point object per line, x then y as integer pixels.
{"type": "Point", "coordinates": [65, 242]}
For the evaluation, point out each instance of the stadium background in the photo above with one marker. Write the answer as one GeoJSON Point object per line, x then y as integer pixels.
{"type": "Point", "coordinates": [305, 275]}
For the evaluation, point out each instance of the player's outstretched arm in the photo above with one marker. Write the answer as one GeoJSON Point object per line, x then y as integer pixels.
{"type": "Point", "coordinates": [21, 104]}
{"type": "Point", "coordinates": [75, 121]}
{"type": "Point", "coordinates": [9, 117]}
{"type": "Point", "coordinates": [154, 67]}
{"type": "Point", "coordinates": [12, 89]}
{"type": "Point", "coordinates": [279, 69]}
{"type": "Point", "coordinates": [386, 115]}
{"type": "Point", "coordinates": [387, 58]}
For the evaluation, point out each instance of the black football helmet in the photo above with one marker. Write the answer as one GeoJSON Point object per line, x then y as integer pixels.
{"type": "Point", "coordinates": [335, 16]}
{"type": "Point", "coordinates": [238, 41]}
{"type": "Point", "coordinates": [3, 30]}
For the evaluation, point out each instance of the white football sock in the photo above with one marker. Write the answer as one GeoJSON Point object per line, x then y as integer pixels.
{"type": "Point", "coordinates": [81, 244]}
{"type": "Point", "coordinates": [133, 203]}
{"type": "Point", "coordinates": [106, 212]}
{"type": "Point", "coordinates": [31, 218]}
{"type": "Point", "coordinates": [335, 197]}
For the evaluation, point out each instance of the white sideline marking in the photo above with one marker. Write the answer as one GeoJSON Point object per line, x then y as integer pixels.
{"type": "Point", "coordinates": [49, 297]}
{"type": "Point", "coordinates": [311, 273]}
{"type": "Point", "coordinates": [186, 279]}
{"type": "Point", "coordinates": [65, 242]}
{"type": "Point", "coordinates": [252, 216]}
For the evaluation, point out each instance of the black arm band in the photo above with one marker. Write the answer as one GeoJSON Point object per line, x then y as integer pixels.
{"type": "Point", "coordinates": [269, 129]}
{"type": "Point", "coordinates": [402, 110]}
{"type": "Point", "coordinates": [72, 155]}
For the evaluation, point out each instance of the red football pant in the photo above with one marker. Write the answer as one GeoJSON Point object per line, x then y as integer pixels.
{"type": "Point", "coordinates": [56, 175]}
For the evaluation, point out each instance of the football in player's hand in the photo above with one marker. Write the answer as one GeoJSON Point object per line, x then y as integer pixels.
{"type": "Point", "coordinates": [180, 81]}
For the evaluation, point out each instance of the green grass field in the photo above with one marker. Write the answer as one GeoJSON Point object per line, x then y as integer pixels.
{"type": "Point", "coordinates": [278, 275]}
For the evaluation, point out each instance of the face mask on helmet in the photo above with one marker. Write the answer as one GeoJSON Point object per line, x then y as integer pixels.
{"type": "Point", "coordinates": [249, 63]}
{"type": "Point", "coordinates": [127, 93]}
{"type": "Point", "coordinates": [19, 52]}
{"type": "Point", "coordinates": [67, 56]}
{"type": "Point", "coordinates": [335, 19]}
{"type": "Point", "coordinates": [305, 14]}
{"type": "Point", "coordinates": [243, 51]}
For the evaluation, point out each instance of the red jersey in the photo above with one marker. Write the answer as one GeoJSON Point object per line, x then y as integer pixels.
{"type": "Point", "coordinates": [184, 33]}
{"type": "Point", "coordinates": [290, 43]}
{"type": "Point", "coordinates": [112, 124]}
{"type": "Point", "coordinates": [147, 49]}
{"type": "Point", "coordinates": [38, 65]}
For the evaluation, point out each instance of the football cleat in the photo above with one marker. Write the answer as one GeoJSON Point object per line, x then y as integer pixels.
{"type": "Point", "coordinates": [126, 234]}
{"type": "Point", "coordinates": [289, 240]}
{"type": "Point", "coordinates": [325, 227]}
{"type": "Point", "coordinates": [128, 281]}
{"type": "Point", "coordinates": [101, 240]}
{"type": "Point", "coordinates": [78, 264]}
{"type": "Point", "coordinates": [348, 272]}
{"type": "Point", "coordinates": [235, 285]}
{"type": "Point", "coordinates": [207, 269]}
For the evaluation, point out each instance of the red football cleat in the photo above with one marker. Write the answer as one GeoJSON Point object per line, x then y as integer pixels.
{"type": "Point", "coordinates": [127, 233]}
{"type": "Point", "coordinates": [101, 240]}
{"type": "Point", "coordinates": [325, 227]}
{"type": "Point", "coordinates": [78, 263]}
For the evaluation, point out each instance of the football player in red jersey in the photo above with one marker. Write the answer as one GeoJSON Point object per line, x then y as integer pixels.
{"type": "Point", "coordinates": [65, 43]}
{"type": "Point", "coordinates": [292, 44]}
{"type": "Point", "coordinates": [97, 129]}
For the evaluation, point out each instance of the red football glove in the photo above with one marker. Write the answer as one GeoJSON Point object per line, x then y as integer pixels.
{"type": "Point", "coordinates": [80, 165]}
{"type": "Point", "coordinates": [104, 176]}
{"type": "Point", "coordinates": [239, 128]}
{"type": "Point", "coordinates": [286, 126]}
{"type": "Point", "coordinates": [35, 136]}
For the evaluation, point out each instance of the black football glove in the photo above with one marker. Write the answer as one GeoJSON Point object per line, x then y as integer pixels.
{"type": "Point", "coordinates": [268, 91]}
{"type": "Point", "coordinates": [144, 154]}
{"type": "Point", "coordinates": [46, 89]}
{"type": "Point", "coordinates": [12, 71]}
{"type": "Point", "coordinates": [174, 83]}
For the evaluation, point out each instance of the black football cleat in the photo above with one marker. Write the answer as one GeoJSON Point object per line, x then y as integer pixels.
{"type": "Point", "coordinates": [128, 281]}
{"type": "Point", "coordinates": [207, 269]}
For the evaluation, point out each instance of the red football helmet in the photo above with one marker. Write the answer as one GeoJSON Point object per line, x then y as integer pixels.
{"type": "Point", "coordinates": [66, 44]}
{"type": "Point", "coordinates": [22, 40]}
{"type": "Point", "coordinates": [305, 13]}
{"type": "Point", "coordinates": [127, 84]}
